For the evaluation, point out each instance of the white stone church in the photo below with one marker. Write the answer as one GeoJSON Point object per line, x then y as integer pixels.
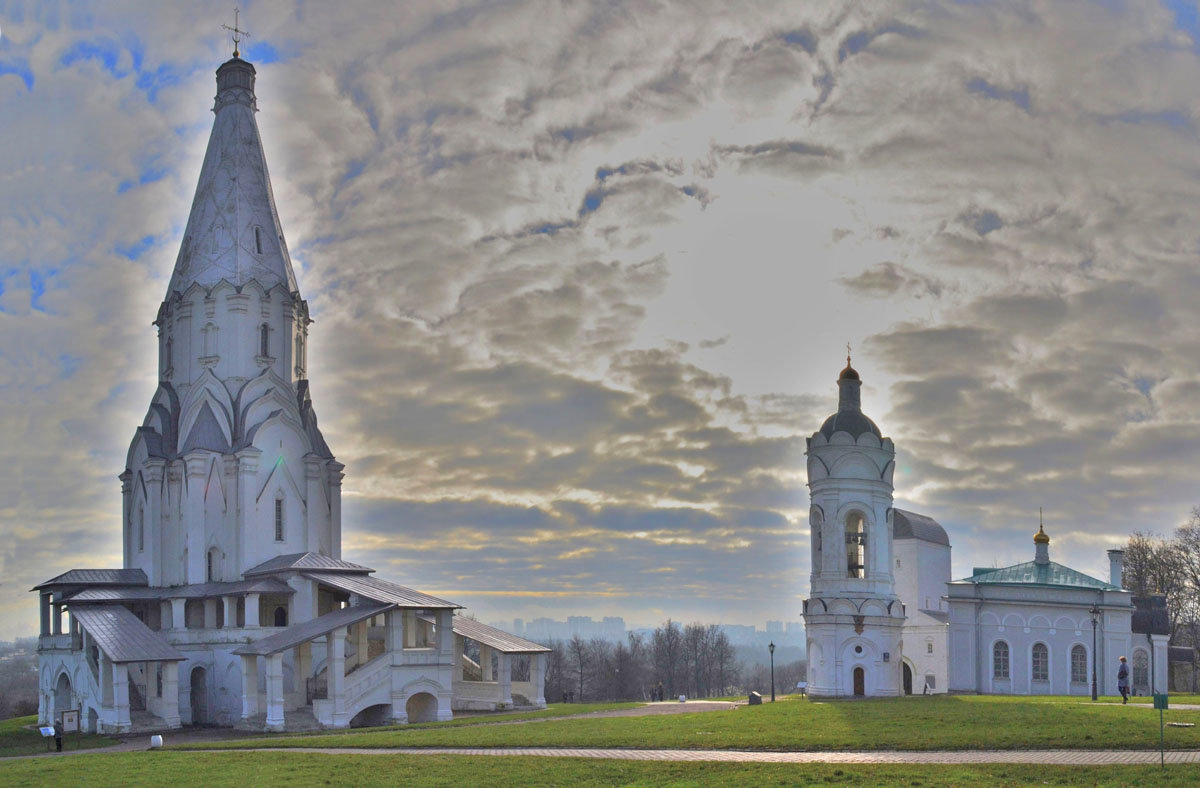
{"type": "Point", "coordinates": [233, 605]}
{"type": "Point", "coordinates": [884, 618]}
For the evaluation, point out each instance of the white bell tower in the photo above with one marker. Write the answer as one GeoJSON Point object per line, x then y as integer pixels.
{"type": "Point", "coordinates": [853, 618]}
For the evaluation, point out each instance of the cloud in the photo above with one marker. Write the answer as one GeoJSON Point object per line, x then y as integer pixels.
{"type": "Point", "coordinates": [582, 274]}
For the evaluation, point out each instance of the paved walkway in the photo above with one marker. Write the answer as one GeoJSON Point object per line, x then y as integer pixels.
{"type": "Point", "coordinates": [1048, 757]}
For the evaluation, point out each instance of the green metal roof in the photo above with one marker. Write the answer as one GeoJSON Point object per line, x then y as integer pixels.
{"type": "Point", "coordinates": [1032, 573]}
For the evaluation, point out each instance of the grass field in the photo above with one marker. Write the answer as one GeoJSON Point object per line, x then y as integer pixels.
{"type": "Point", "coordinates": [237, 770]}
{"type": "Point", "coordinates": [16, 739]}
{"type": "Point", "coordinates": [928, 723]}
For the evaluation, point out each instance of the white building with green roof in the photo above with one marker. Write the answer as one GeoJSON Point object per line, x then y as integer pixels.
{"type": "Point", "coordinates": [1040, 628]}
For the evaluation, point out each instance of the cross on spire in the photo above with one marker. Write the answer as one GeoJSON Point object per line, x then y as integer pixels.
{"type": "Point", "coordinates": [847, 354]}
{"type": "Point", "coordinates": [236, 31]}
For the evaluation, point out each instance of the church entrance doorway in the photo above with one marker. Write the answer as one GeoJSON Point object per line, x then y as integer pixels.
{"type": "Point", "coordinates": [62, 695]}
{"type": "Point", "coordinates": [421, 707]}
{"type": "Point", "coordinates": [860, 680]}
{"type": "Point", "coordinates": [907, 679]}
{"type": "Point", "coordinates": [199, 696]}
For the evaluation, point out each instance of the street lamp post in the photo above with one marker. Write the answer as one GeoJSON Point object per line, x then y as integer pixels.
{"type": "Point", "coordinates": [1095, 613]}
{"type": "Point", "coordinates": [771, 648]}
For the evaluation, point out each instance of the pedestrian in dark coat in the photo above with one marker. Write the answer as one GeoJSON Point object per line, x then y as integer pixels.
{"type": "Point", "coordinates": [1123, 680]}
{"type": "Point", "coordinates": [58, 735]}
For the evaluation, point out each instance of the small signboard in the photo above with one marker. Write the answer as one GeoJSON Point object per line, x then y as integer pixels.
{"type": "Point", "coordinates": [1160, 700]}
{"type": "Point", "coordinates": [46, 730]}
{"type": "Point", "coordinates": [70, 721]}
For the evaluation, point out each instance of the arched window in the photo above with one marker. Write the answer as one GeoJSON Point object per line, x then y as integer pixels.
{"type": "Point", "coordinates": [169, 353]}
{"type": "Point", "coordinates": [1000, 660]}
{"type": "Point", "coordinates": [1078, 664]}
{"type": "Point", "coordinates": [281, 616]}
{"type": "Point", "coordinates": [210, 340]}
{"type": "Point", "coordinates": [258, 240]}
{"type": "Point", "coordinates": [856, 545]}
{"type": "Point", "coordinates": [264, 340]}
{"type": "Point", "coordinates": [141, 529]}
{"type": "Point", "coordinates": [212, 565]}
{"type": "Point", "coordinates": [1141, 670]}
{"type": "Point", "coordinates": [1041, 662]}
{"type": "Point", "coordinates": [278, 519]}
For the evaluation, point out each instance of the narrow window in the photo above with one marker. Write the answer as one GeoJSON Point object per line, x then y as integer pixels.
{"type": "Point", "coordinates": [170, 344]}
{"type": "Point", "coordinates": [928, 648]}
{"type": "Point", "coordinates": [210, 566]}
{"type": "Point", "coordinates": [856, 545]}
{"type": "Point", "coordinates": [258, 240]}
{"type": "Point", "coordinates": [158, 680]}
{"type": "Point", "coordinates": [1078, 665]}
{"type": "Point", "coordinates": [278, 519]}
{"type": "Point", "coordinates": [1041, 662]}
{"type": "Point", "coordinates": [141, 526]}
{"type": "Point", "coordinates": [1000, 660]}
{"type": "Point", "coordinates": [281, 617]}
{"type": "Point", "coordinates": [264, 340]}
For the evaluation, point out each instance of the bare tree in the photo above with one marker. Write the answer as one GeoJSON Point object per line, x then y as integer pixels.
{"type": "Point", "coordinates": [581, 659]}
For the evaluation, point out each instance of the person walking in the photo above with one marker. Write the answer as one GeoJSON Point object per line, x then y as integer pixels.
{"type": "Point", "coordinates": [58, 730]}
{"type": "Point", "coordinates": [1123, 680]}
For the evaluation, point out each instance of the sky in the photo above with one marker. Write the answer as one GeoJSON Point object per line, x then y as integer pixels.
{"type": "Point", "coordinates": [583, 276]}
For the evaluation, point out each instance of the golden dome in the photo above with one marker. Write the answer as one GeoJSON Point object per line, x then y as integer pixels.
{"type": "Point", "coordinates": [1041, 537]}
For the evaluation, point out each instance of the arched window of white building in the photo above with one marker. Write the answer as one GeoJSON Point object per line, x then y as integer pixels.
{"type": "Point", "coordinates": [141, 529]}
{"type": "Point", "coordinates": [258, 240]}
{"type": "Point", "coordinates": [264, 340]}
{"type": "Point", "coordinates": [1078, 664]}
{"type": "Point", "coordinates": [856, 545]}
{"type": "Point", "coordinates": [1041, 662]}
{"type": "Point", "coordinates": [1000, 660]}
{"type": "Point", "coordinates": [210, 340]}
{"type": "Point", "coordinates": [278, 519]}
{"type": "Point", "coordinates": [1141, 671]}
{"type": "Point", "coordinates": [169, 353]}
{"type": "Point", "coordinates": [211, 568]}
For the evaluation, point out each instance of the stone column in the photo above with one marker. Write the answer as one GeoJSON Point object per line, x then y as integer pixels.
{"type": "Point", "coordinates": [210, 613]}
{"type": "Point", "coordinates": [537, 671]}
{"type": "Point", "coordinates": [275, 692]}
{"type": "Point", "coordinates": [336, 675]}
{"type": "Point", "coordinates": [335, 507]}
{"type": "Point", "coordinates": [55, 618]}
{"type": "Point", "coordinates": [249, 686]}
{"type": "Point", "coordinates": [120, 694]}
{"type": "Point", "coordinates": [251, 610]}
{"type": "Point", "coordinates": [410, 628]}
{"type": "Point", "coordinates": [395, 647]}
{"type": "Point", "coordinates": [126, 521]}
{"type": "Point", "coordinates": [152, 518]}
{"type": "Point", "coordinates": [505, 667]}
{"type": "Point", "coordinates": [230, 611]}
{"type": "Point", "coordinates": [363, 643]}
{"type": "Point", "coordinates": [170, 694]}
{"type": "Point", "coordinates": [44, 606]}
{"type": "Point", "coordinates": [316, 507]}
{"type": "Point", "coordinates": [1159, 669]}
{"type": "Point", "coordinates": [251, 529]}
{"type": "Point", "coordinates": [178, 613]}
{"type": "Point", "coordinates": [485, 663]}
{"type": "Point", "coordinates": [456, 675]}
{"type": "Point", "coordinates": [197, 470]}
{"type": "Point", "coordinates": [303, 672]}
{"type": "Point", "coordinates": [445, 636]}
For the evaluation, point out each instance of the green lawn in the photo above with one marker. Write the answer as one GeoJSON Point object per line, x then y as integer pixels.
{"type": "Point", "coordinates": [237, 770]}
{"type": "Point", "coordinates": [17, 739]}
{"type": "Point", "coordinates": [964, 722]}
